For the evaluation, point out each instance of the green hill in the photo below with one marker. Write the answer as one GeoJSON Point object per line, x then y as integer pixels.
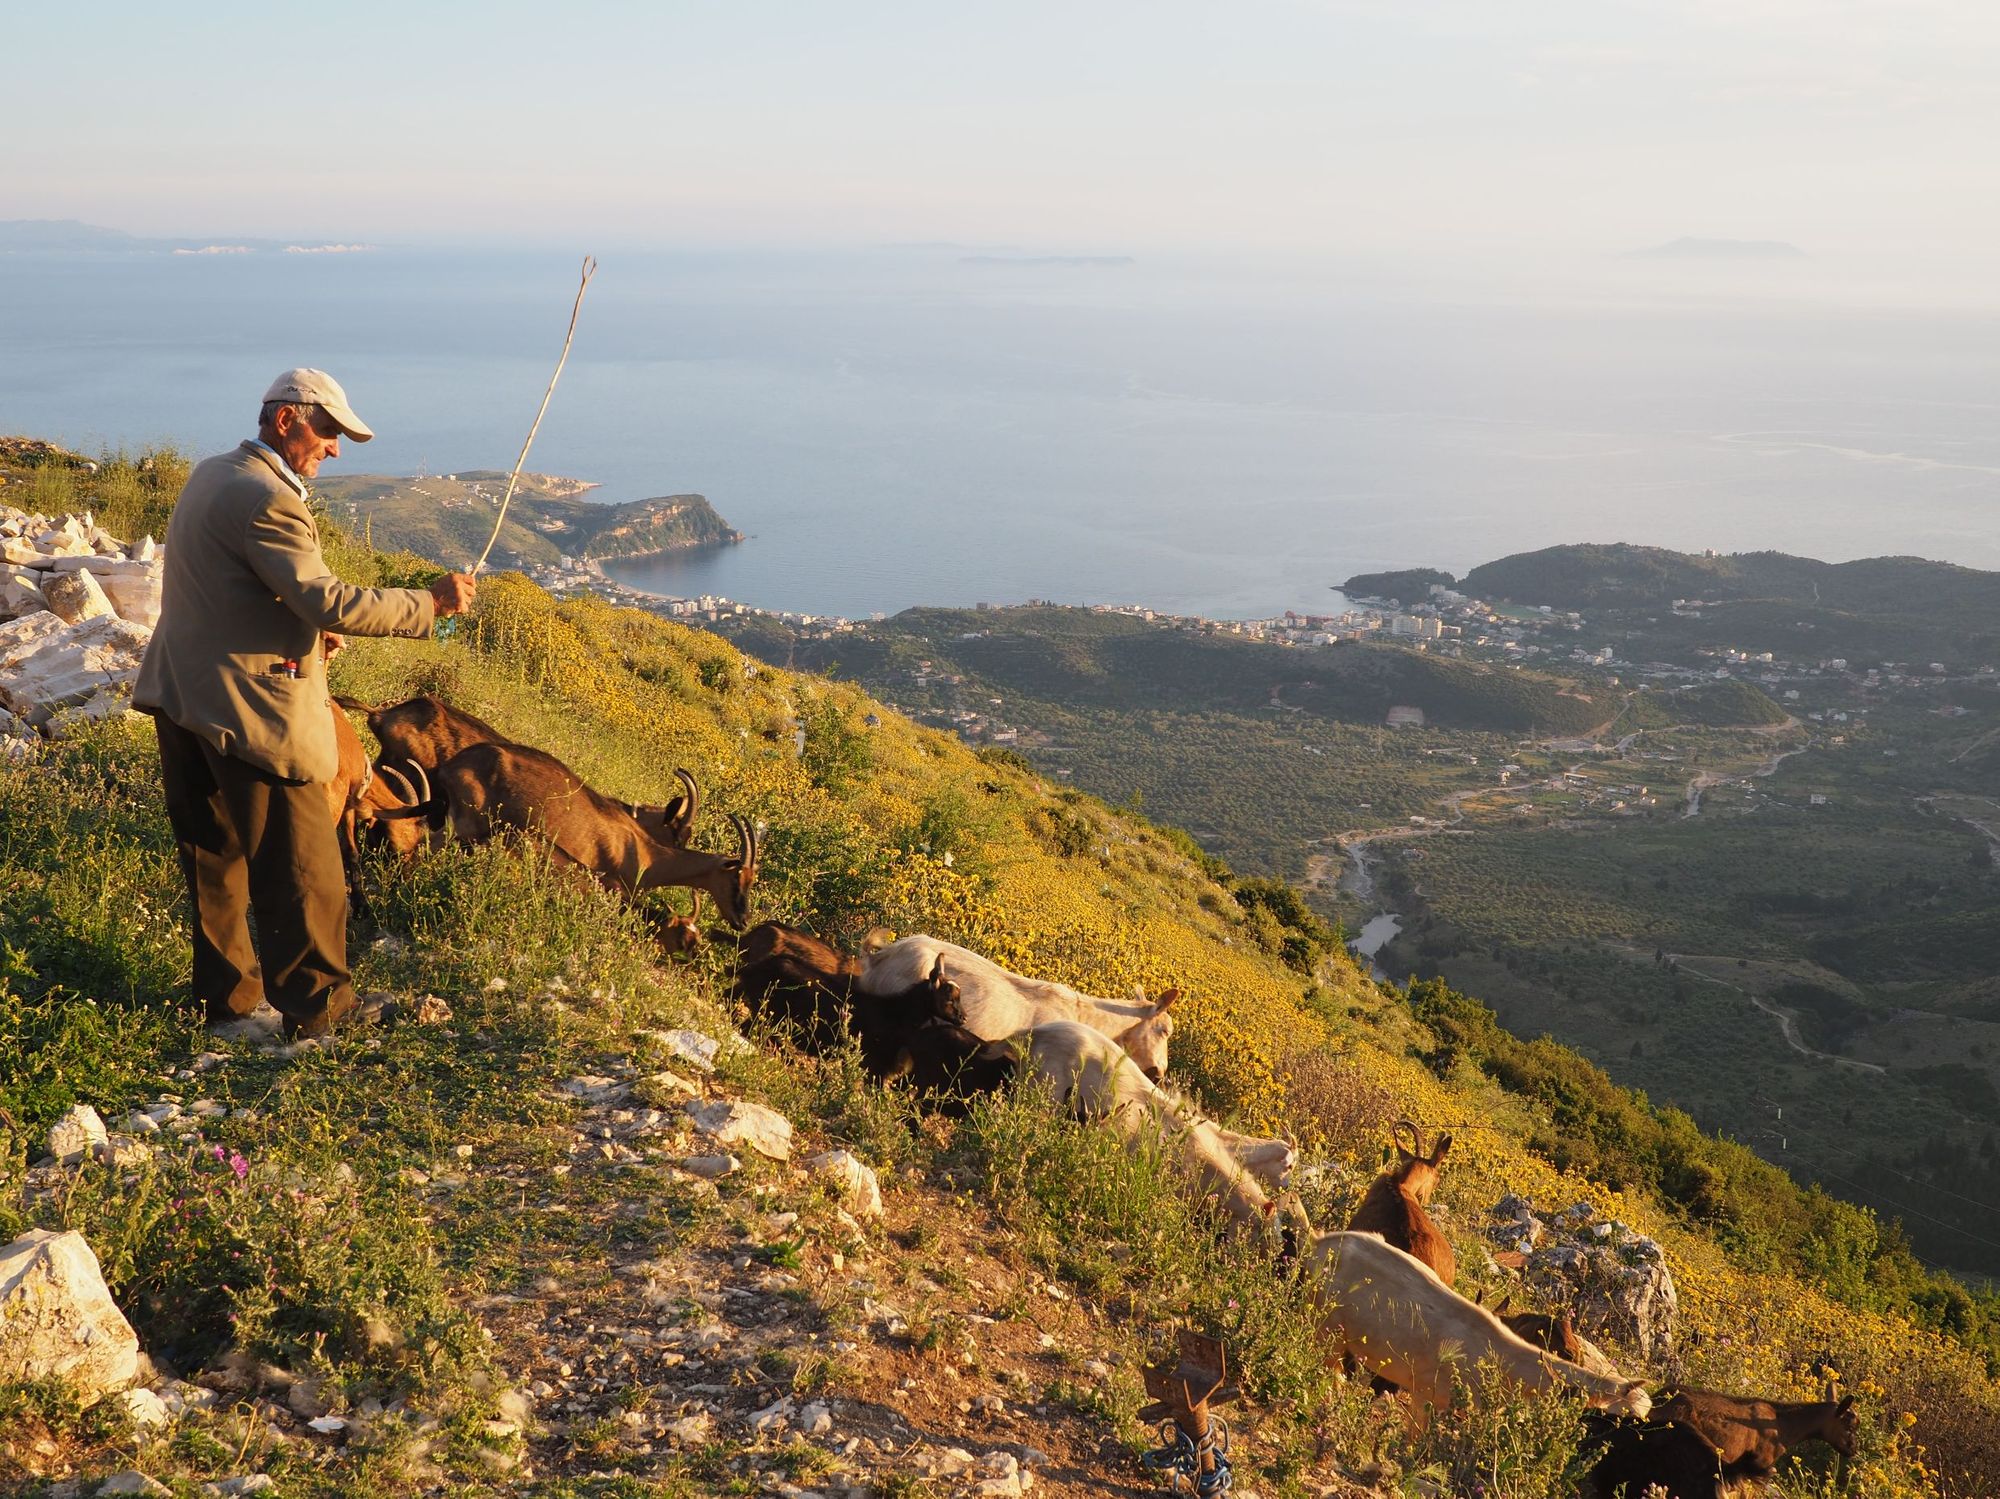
{"type": "Point", "coordinates": [448, 518]}
{"type": "Point", "coordinates": [1408, 586]}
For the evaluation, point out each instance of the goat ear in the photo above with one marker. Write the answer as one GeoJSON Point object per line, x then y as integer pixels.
{"type": "Point", "coordinates": [1505, 1302]}
{"type": "Point", "coordinates": [1165, 1001]}
{"type": "Point", "coordinates": [1438, 1152]}
{"type": "Point", "coordinates": [937, 980]}
{"type": "Point", "coordinates": [1846, 1405]}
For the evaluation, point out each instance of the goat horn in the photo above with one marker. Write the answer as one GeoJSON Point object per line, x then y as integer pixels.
{"type": "Point", "coordinates": [405, 792]}
{"type": "Point", "coordinates": [423, 781]}
{"type": "Point", "coordinates": [693, 793]}
{"type": "Point", "coordinates": [1396, 1136]}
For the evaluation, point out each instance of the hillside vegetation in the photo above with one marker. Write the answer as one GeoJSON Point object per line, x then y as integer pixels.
{"type": "Point", "coordinates": [427, 1226]}
{"type": "Point", "coordinates": [1894, 608]}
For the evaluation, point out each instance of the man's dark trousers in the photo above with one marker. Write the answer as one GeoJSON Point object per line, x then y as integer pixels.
{"type": "Point", "coordinates": [252, 841]}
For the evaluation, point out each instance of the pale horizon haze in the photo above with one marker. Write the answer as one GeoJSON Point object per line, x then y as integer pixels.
{"type": "Point", "coordinates": [1858, 130]}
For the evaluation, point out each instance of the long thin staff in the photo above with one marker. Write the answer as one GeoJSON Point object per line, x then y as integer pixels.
{"type": "Point", "coordinates": [589, 270]}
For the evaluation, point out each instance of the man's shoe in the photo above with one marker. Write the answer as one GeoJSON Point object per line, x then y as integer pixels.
{"type": "Point", "coordinates": [378, 1007]}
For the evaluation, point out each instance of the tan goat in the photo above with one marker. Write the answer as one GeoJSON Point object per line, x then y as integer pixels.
{"type": "Point", "coordinates": [1397, 1319]}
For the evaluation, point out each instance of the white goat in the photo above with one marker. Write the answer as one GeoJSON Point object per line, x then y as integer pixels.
{"type": "Point", "coordinates": [1392, 1313]}
{"type": "Point", "coordinates": [1098, 1083]}
{"type": "Point", "coordinates": [999, 1004]}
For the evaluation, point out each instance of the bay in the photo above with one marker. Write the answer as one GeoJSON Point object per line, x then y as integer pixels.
{"type": "Point", "coordinates": [907, 426]}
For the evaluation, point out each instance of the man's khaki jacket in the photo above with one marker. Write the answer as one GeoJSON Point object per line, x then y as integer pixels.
{"type": "Point", "coordinates": [245, 591]}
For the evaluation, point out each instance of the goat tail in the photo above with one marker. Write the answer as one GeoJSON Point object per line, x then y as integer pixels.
{"type": "Point", "coordinates": [355, 705]}
{"type": "Point", "coordinates": [878, 938]}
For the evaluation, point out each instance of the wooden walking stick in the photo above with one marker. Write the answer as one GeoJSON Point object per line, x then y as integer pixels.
{"type": "Point", "coordinates": [589, 270]}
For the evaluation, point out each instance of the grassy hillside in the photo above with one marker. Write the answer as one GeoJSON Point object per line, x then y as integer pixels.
{"type": "Point", "coordinates": [506, 1288]}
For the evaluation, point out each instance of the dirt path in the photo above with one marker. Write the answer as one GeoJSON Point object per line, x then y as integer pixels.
{"type": "Point", "coordinates": [1707, 779]}
{"type": "Point", "coordinates": [1786, 1024]}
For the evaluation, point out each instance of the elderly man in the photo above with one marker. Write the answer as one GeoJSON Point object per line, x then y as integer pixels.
{"type": "Point", "coordinates": [236, 682]}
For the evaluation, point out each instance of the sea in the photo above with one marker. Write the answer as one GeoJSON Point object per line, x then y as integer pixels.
{"type": "Point", "coordinates": [935, 424]}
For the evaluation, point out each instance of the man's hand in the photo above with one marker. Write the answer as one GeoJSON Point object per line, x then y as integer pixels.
{"type": "Point", "coordinates": [453, 593]}
{"type": "Point", "coordinates": [330, 643]}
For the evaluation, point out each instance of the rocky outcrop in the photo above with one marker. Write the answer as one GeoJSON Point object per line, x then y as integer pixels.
{"type": "Point", "coordinates": [77, 610]}
{"type": "Point", "coordinates": [1613, 1281]}
{"type": "Point", "coordinates": [57, 1319]}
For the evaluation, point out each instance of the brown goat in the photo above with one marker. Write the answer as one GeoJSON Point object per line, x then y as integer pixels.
{"type": "Point", "coordinates": [357, 796]}
{"type": "Point", "coordinates": [1754, 1435]}
{"type": "Point", "coordinates": [1394, 1204]}
{"type": "Point", "coordinates": [427, 732]}
{"type": "Point", "coordinates": [490, 788]}
{"type": "Point", "coordinates": [917, 1034]}
{"type": "Point", "coordinates": [1653, 1459]}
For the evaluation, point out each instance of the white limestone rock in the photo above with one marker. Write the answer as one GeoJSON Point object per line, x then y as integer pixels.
{"type": "Point", "coordinates": [730, 1122]}
{"type": "Point", "coordinates": [143, 1408]}
{"type": "Point", "coordinates": [78, 1135]}
{"type": "Point", "coordinates": [76, 596]}
{"type": "Point", "coordinates": [710, 1167]}
{"type": "Point", "coordinates": [20, 592]}
{"type": "Point", "coordinates": [57, 1319]}
{"type": "Point", "coordinates": [46, 665]}
{"type": "Point", "coordinates": [859, 1189]}
{"type": "Point", "coordinates": [132, 1481]}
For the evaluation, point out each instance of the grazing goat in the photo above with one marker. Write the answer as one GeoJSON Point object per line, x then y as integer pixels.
{"type": "Point", "coordinates": [1649, 1460]}
{"type": "Point", "coordinates": [916, 1035]}
{"type": "Point", "coordinates": [1394, 1204]}
{"type": "Point", "coordinates": [426, 731]}
{"type": "Point", "coordinates": [356, 796]}
{"type": "Point", "coordinates": [999, 1004]}
{"type": "Point", "coordinates": [489, 788]}
{"type": "Point", "coordinates": [1556, 1333]}
{"type": "Point", "coordinates": [1397, 1319]}
{"type": "Point", "coordinates": [678, 935]}
{"type": "Point", "coordinates": [1099, 1083]}
{"type": "Point", "coordinates": [1269, 1160]}
{"type": "Point", "coordinates": [797, 980]}
{"type": "Point", "coordinates": [1754, 1435]}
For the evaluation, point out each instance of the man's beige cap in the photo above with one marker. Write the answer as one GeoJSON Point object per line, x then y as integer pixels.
{"type": "Point", "coordinates": [318, 388]}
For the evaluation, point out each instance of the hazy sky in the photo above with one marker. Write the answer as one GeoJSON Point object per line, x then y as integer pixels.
{"type": "Point", "coordinates": [1862, 126]}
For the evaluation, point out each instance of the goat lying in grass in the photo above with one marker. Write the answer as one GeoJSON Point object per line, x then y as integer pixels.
{"type": "Point", "coordinates": [914, 1034]}
{"type": "Point", "coordinates": [1092, 1077]}
{"type": "Point", "coordinates": [999, 1004]}
{"type": "Point", "coordinates": [1397, 1319]}
{"type": "Point", "coordinates": [1754, 1436]}
{"type": "Point", "coordinates": [1649, 1460]}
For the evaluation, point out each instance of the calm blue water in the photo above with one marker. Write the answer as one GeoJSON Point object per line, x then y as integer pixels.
{"type": "Point", "coordinates": [896, 427]}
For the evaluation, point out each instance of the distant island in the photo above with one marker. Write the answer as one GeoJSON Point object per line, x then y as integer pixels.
{"type": "Point", "coordinates": [75, 236]}
{"type": "Point", "coordinates": [1087, 261]}
{"type": "Point", "coordinates": [1689, 248]}
{"type": "Point", "coordinates": [447, 518]}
